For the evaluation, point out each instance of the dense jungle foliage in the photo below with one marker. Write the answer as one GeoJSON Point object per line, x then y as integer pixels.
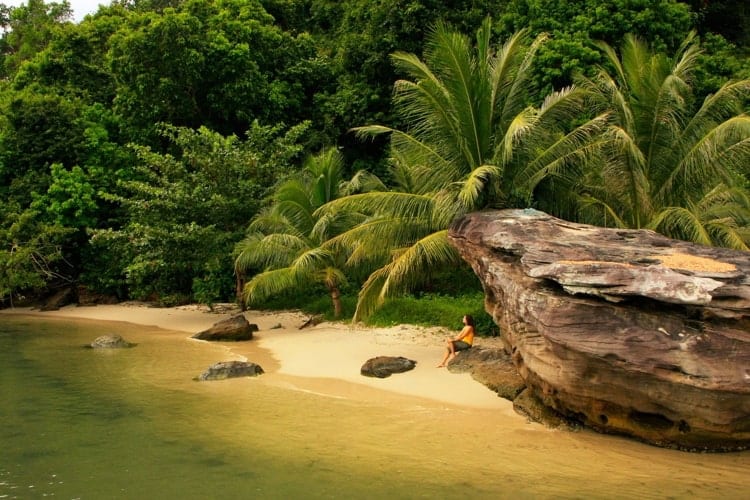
{"type": "Point", "coordinates": [292, 150]}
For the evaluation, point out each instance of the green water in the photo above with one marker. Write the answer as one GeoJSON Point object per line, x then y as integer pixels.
{"type": "Point", "coordinates": [84, 423]}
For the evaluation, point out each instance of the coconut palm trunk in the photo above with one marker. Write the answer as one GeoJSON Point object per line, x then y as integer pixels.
{"type": "Point", "coordinates": [338, 309]}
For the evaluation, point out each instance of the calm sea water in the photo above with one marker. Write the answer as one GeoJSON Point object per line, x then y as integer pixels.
{"type": "Point", "coordinates": [84, 423]}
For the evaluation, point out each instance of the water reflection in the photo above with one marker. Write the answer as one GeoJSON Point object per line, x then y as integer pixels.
{"type": "Point", "coordinates": [132, 423]}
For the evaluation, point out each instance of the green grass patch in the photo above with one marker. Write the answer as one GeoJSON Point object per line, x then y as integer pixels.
{"type": "Point", "coordinates": [435, 310]}
{"type": "Point", "coordinates": [423, 310]}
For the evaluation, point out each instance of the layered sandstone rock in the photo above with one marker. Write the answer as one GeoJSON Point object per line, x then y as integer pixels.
{"type": "Point", "coordinates": [626, 331]}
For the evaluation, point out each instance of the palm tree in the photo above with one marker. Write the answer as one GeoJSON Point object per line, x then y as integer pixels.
{"type": "Point", "coordinates": [672, 166]}
{"type": "Point", "coordinates": [287, 239]}
{"type": "Point", "coordinates": [472, 140]}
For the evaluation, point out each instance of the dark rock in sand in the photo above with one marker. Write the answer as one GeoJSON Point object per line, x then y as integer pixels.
{"type": "Point", "coordinates": [59, 299]}
{"type": "Point", "coordinates": [492, 367]}
{"type": "Point", "coordinates": [88, 298]}
{"type": "Point", "coordinates": [230, 369]}
{"type": "Point", "coordinates": [110, 342]}
{"type": "Point", "coordinates": [312, 321]}
{"type": "Point", "coordinates": [625, 331]}
{"type": "Point", "coordinates": [385, 366]}
{"type": "Point", "coordinates": [236, 328]}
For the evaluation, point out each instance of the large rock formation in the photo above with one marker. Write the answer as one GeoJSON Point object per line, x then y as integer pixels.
{"type": "Point", "coordinates": [492, 367]}
{"type": "Point", "coordinates": [626, 331]}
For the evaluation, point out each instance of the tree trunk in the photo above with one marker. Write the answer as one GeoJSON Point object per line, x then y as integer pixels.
{"type": "Point", "coordinates": [336, 299]}
{"type": "Point", "coordinates": [239, 285]}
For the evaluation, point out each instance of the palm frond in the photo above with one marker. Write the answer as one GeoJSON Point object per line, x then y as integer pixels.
{"type": "Point", "coordinates": [309, 262]}
{"type": "Point", "coordinates": [687, 57]}
{"type": "Point", "coordinates": [476, 184]}
{"type": "Point", "coordinates": [366, 243]}
{"type": "Point", "coordinates": [725, 233]}
{"type": "Point", "coordinates": [711, 159]}
{"type": "Point", "coordinates": [332, 277]}
{"type": "Point", "coordinates": [404, 271]}
{"type": "Point", "coordinates": [680, 223]}
{"type": "Point", "coordinates": [517, 129]}
{"type": "Point", "coordinates": [362, 182]}
{"type": "Point", "coordinates": [270, 251]}
{"type": "Point", "coordinates": [568, 152]}
{"type": "Point", "coordinates": [271, 221]}
{"type": "Point", "coordinates": [325, 171]}
{"type": "Point", "coordinates": [517, 84]}
{"type": "Point", "coordinates": [270, 283]}
{"type": "Point", "coordinates": [389, 203]}
{"type": "Point", "coordinates": [597, 211]}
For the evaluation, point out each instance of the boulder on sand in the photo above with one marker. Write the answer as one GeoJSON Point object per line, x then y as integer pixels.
{"type": "Point", "coordinates": [236, 328]}
{"type": "Point", "coordinates": [385, 366]}
{"type": "Point", "coordinates": [110, 342]}
{"type": "Point", "coordinates": [230, 369]}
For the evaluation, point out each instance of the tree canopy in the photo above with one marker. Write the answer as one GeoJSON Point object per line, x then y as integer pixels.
{"type": "Point", "coordinates": [138, 145]}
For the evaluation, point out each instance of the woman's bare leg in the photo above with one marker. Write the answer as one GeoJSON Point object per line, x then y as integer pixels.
{"type": "Point", "coordinates": [450, 352]}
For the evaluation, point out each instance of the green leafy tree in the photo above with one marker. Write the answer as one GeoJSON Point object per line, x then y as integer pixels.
{"type": "Point", "coordinates": [30, 252]}
{"type": "Point", "coordinates": [729, 18]}
{"type": "Point", "coordinates": [218, 65]}
{"type": "Point", "coordinates": [27, 29]}
{"type": "Point", "coordinates": [74, 63]}
{"type": "Point", "coordinates": [472, 141]}
{"type": "Point", "coordinates": [37, 129]}
{"type": "Point", "coordinates": [575, 25]}
{"type": "Point", "coordinates": [185, 213]}
{"type": "Point", "coordinates": [674, 165]}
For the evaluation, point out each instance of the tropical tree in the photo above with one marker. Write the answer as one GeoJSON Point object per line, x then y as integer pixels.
{"type": "Point", "coordinates": [286, 241]}
{"type": "Point", "coordinates": [673, 166]}
{"type": "Point", "coordinates": [574, 25]}
{"type": "Point", "coordinates": [31, 256]}
{"type": "Point", "coordinates": [27, 29]}
{"type": "Point", "coordinates": [184, 213]}
{"type": "Point", "coordinates": [472, 141]}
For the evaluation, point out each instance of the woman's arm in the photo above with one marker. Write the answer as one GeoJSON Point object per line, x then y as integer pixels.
{"type": "Point", "coordinates": [463, 333]}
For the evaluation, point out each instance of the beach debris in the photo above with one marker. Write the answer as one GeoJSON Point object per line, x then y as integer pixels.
{"type": "Point", "coordinates": [236, 328]}
{"type": "Point", "coordinates": [230, 369]}
{"type": "Point", "coordinates": [312, 321]}
{"type": "Point", "coordinates": [385, 366]}
{"type": "Point", "coordinates": [110, 342]}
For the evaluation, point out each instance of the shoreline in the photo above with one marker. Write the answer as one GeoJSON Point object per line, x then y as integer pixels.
{"type": "Point", "coordinates": [324, 359]}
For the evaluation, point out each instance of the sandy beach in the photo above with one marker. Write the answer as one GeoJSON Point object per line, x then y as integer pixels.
{"type": "Point", "coordinates": [325, 358]}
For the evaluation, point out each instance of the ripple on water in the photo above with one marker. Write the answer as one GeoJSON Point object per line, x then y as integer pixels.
{"type": "Point", "coordinates": [126, 424]}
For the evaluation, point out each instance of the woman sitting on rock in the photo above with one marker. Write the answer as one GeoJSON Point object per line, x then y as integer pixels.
{"type": "Point", "coordinates": [460, 342]}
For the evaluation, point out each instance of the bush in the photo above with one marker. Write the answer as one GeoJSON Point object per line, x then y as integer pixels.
{"type": "Point", "coordinates": [436, 310]}
{"type": "Point", "coordinates": [425, 310]}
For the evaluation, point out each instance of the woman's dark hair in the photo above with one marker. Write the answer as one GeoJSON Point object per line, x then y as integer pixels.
{"type": "Point", "coordinates": [469, 320]}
